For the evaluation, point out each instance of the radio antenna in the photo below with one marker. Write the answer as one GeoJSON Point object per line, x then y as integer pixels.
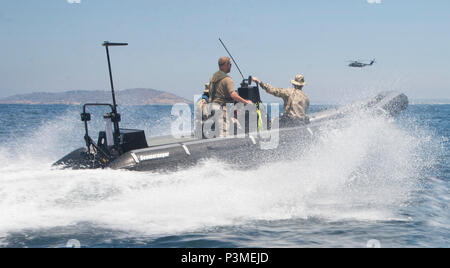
{"type": "Point", "coordinates": [232, 58]}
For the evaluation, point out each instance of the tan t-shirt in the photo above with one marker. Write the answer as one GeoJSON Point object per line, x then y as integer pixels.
{"type": "Point", "coordinates": [223, 86]}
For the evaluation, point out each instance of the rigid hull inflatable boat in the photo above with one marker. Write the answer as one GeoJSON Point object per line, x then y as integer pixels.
{"type": "Point", "coordinates": [134, 152]}
{"type": "Point", "coordinates": [118, 148]}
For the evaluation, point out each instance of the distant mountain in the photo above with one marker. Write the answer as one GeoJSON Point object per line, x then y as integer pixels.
{"type": "Point", "coordinates": [138, 96]}
{"type": "Point", "coordinates": [430, 101]}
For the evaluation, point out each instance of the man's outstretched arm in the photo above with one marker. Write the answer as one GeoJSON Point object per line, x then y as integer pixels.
{"type": "Point", "coordinates": [278, 92]}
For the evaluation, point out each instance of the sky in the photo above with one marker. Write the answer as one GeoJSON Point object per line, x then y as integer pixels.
{"type": "Point", "coordinates": [55, 45]}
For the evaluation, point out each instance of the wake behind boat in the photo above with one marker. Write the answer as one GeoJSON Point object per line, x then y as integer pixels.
{"type": "Point", "coordinates": [118, 148]}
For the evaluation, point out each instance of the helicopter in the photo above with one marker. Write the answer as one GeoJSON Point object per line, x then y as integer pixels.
{"type": "Point", "coordinates": [358, 64]}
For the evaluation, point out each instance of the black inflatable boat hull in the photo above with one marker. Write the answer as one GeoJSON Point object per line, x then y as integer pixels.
{"type": "Point", "coordinates": [166, 153]}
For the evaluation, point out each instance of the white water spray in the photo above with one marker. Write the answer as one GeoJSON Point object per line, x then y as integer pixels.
{"type": "Point", "coordinates": [363, 170]}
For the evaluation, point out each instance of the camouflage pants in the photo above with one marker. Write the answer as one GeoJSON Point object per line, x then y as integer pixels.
{"type": "Point", "coordinates": [223, 121]}
{"type": "Point", "coordinates": [216, 123]}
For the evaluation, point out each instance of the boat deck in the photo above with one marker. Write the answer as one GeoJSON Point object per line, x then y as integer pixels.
{"type": "Point", "coordinates": [166, 140]}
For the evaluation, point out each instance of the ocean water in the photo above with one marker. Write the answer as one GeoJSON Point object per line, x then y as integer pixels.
{"type": "Point", "coordinates": [370, 179]}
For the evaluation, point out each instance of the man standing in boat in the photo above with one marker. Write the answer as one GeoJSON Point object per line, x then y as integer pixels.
{"type": "Point", "coordinates": [296, 103]}
{"type": "Point", "coordinates": [222, 91]}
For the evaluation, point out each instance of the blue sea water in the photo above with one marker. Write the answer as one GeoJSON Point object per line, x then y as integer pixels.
{"type": "Point", "coordinates": [370, 179]}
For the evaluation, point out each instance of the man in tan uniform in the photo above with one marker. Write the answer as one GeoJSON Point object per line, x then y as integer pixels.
{"type": "Point", "coordinates": [222, 86]}
{"type": "Point", "coordinates": [222, 91]}
{"type": "Point", "coordinates": [296, 103]}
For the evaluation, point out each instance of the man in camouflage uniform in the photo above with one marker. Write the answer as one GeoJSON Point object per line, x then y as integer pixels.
{"type": "Point", "coordinates": [296, 103]}
{"type": "Point", "coordinates": [222, 91]}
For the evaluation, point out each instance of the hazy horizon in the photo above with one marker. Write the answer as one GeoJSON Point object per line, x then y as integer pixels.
{"type": "Point", "coordinates": [313, 102]}
{"type": "Point", "coordinates": [55, 45]}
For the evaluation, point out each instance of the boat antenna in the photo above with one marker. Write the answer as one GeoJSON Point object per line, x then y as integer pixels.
{"type": "Point", "coordinates": [115, 117]}
{"type": "Point", "coordinates": [108, 44]}
{"type": "Point", "coordinates": [232, 58]}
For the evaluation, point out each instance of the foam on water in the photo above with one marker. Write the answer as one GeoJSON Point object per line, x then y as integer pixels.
{"type": "Point", "coordinates": [365, 170]}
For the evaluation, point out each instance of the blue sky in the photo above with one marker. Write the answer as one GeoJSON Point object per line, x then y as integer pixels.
{"type": "Point", "coordinates": [52, 45]}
